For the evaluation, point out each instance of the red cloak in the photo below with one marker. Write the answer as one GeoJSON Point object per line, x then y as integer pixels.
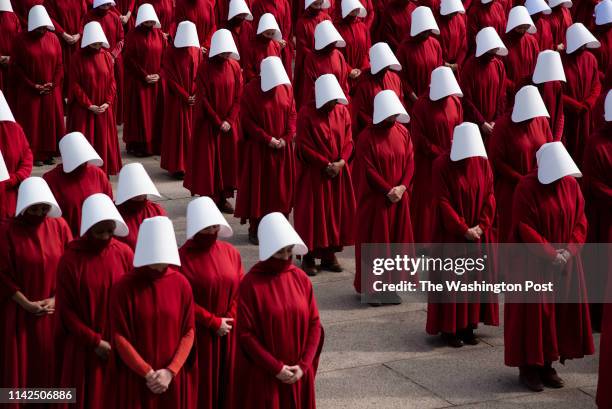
{"type": "Point", "coordinates": [559, 20]}
{"type": "Point", "coordinates": [123, 6]}
{"type": "Point", "coordinates": [37, 60]}
{"type": "Point", "coordinates": [453, 38]}
{"type": "Point", "coordinates": [214, 273]}
{"type": "Point", "coordinates": [152, 313]}
{"type": "Point", "coordinates": [394, 22]}
{"type": "Point", "coordinates": [536, 333]}
{"type": "Point", "coordinates": [71, 190]}
{"type": "Point", "coordinates": [278, 325]}
{"type": "Point", "coordinates": [384, 159]}
{"type": "Point", "coordinates": [9, 29]}
{"type": "Point", "coordinates": [143, 52]}
{"type": "Point", "coordinates": [213, 154]}
{"type": "Point", "coordinates": [202, 14]}
{"type": "Point", "coordinates": [133, 213]}
{"type": "Point", "coordinates": [316, 63]}
{"type": "Point", "coordinates": [512, 150]}
{"type": "Point", "coordinates": [164, 10]}
{"type": "Point", "coordinates": [281, 10]}
{"type": "Point", "coordinates": [30, 255]}
{"type": "Point", "coordinates": [482, 15]}
{"type": "Point", "coordinates": [356, 34]}
{"type": "Point", "coordinates": [22, 8]}
{"type": "Point", "coordinates": [604, 52]}
{"type": "Point", "coordinates": [552, 95]}
{"type": "Point", "coordinates": [92, 82]}
{"type": "Point", "coordinates": [432, 128]}
{"type": "Point", "coordinates": [325, 209]}
{"type": "Point", "coordinates": [543, 33]}
{"type": "Point", "coordinates": [242, 31]}
{"type": "Point", "coordinates": [418, 57]}
{"type": "Point", "coordinates": [18, 160]}
{"type": "Point", "coordinates": [304, 40]}
{"type": "Point", "coordinates": [520, 62]}
{"type": "Point", "coordinates": [179, 69]}
{"type": "Point", "coordinates": [84, 279]}
{"type": "Point", "coordinates": [259, 47]}
{"type": "Point", "coordinates": [463, 199]}
{"type": "Point", "coordinates": [267, 175]}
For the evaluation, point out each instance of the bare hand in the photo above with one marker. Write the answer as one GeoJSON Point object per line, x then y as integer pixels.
{"type": "Point", "coordinates": [104, 107]}
{"type": "Point", "coordinates": [160, 381]}
{"type": "Point", "coordinates": [225, 126]}
{"type": "Point", "coordinates": [103, 349]}
{"type": "Point", "coordinates": [5, 59]}
{"type": "Point", "coordinates": [334, 168]}
{"type": "Point", "coordinates": [355, 72]}
{"type": "Point", "coordinates": [487, 128]}
{"type": "Point", "coordinates": [275, 143]}
{"type": "Point", "coordinates": [285, 375]}
{"type": "Point", "coordinates": [297, 374]}
{"type": "Point", "coordinates": [48, 306]}
{"type": "Point", "coordinates": [191, 100]}
{"type": "Point", "coordinates": [282, 43]}
{"type": "Point", "coordinates": [471, 234]}
{"type": "Point", "coordinates": [204, 50]}
{"type": "Point", "coordinates": [226, 326]}
{"type": "Point", "coordinates": [413, 96]}
{"type": "Point", "coordinates": [396, 193]}
{"type": "Point", "coordinates": [152, 78]}
{"type": "Point", "coordinates": [560, 261]}
{"type": "Point", "coordinates": [33, 307]}
{"type": "Point", "coordinates": [560, 47]}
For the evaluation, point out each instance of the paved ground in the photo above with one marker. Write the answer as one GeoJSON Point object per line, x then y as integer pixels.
{"type": "Point", "coordinates": [381, 358]}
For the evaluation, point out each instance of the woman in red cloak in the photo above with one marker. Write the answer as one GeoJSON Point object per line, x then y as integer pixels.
{"type": "Point", "coordinates": [465, 212]}
{"type": "Point", "coordinates": [92, 96]}
{"type": "Point", "coordinates": [126, 9]}
{"type": "Point", "coordinates": [539, 10]}
{"type": "Point", "coordinates": [419, 54]}
{"type": "Point", "coordinates": [548, 76]}
{"type": "Point", "coordinates": [512, 147]}
{"type": "Point", "coordinates": [603, 32]}
{"type": "Point", "coordinates": [268, 119]}
{"type": "Point", "coordinates": [383, 170]}
{"type": "Point", "coordinates": [559, 21]}
{"type": "Point", "coordinates": [165, 11]}
{"type": "Point", "coordinates": [153, 328]}
{"type": "Point", "coordinates": [202, 14]}
{"type": "Point", "coordinates": [179, 69]}
{"type": "Point", "coordinates": [214, 270]}
{"type": "Point", "coordinates": [239, 21]}
{"type": "Point", "coordinates": [85, 275]}
{"type": "Point", "coordinates": [355, 32]}
{"type": "Point", "coordinates": [33, 244]}
{"type": "Point", "coordinates": [581, 91]}
{"type": "Point", "coordinates": [37, 90]}
{"type": "Point", "coordinates": [394, 22]}
{"type": "Point", "coordinates": [326, 207]}
{"type": "Point", "coordinates": [548, 208]}
{"type": "Point", "coordinates": [452, 22]}
{"type": "Point", "coordinates": [213, 154]}
{"type": "Point", "coordinates": [483, 81]}
{"type": "Point", "coordinates": [485, 13]}
{"type": "Point", "coordinates": [22, 8]}
{"type": "Point", "coordinates": [434, 118]}
{"type": "Point", "coordinates": [17, 159]}
{"type": "Point", "coordinates": [133, 191]}
{"type": "Point", "coordinates": [278, 348]}
{"type": "Point", "coordinates": [382, 74]}
{"type": "Point", "coordinates": [266, 42]}
{"type": "Point", "coordinates": [144, 47]}
{"type": "Point", "coordinates": [10, 27]}
{"type": "Point", "coordinates": [281, 10]}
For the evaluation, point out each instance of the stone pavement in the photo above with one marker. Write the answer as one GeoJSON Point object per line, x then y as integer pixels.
{"type": "Point", "coordinates": [381, 358]}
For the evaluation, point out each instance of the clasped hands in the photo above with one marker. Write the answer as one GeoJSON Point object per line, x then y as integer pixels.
{"type": "Point", "coordinates": [473, 233]}
{"type": "Point", "coordinates": [290, 374]}
{"type": "Point", "coordinates": [396, 193]}
{"type": "Point", "coordinates": [333, 168]}
{"type": "Point", "coordinates": [159, 381]}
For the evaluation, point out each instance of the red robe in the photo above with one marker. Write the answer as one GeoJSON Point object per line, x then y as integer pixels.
{"type": "Point", "coordinates": [202, 14]}
{"type": "Point", "coordinates": [326, 61]}
{"type": "Point", "coordinates": [37, 60]}
{"type": "Point", "coordinates": [580, 95]}
{"type": "Point", "coordinates": [213, 155]}
{"type": "Point", "coordinates": [214, 273]}
{"type": "Point", "coordinates": [512, 150]}
{"type": "Point", "coordinates": [143, 102]}
{"type": "Point", "coordinates": [552, 95]}
{"type": "Point", "coordinates": [22, 8]}
{"type": "Point", "coordinates": [9, 29]}
{"type": "Point", "coordinates": [242, 31]}
{"type": "Point", "coordinates": [325, 209]}
{"type": "Point", "coordinates": [384, 159]}
{"type": "Point", "coordinates": [394, 22]}
{"type": "Point", "coordinates": [520, 62]}
{"type": "Point", "coordinates": [179, 69]}
{"type": "Point", "coordinates": [453, 38]}
{"type": "Point", "coordinates": [604, 52]}
{"type": "Point", "coordinates": [432, 128]}
{"type": "Point", "coordinates": [153, 313]}
{"type": "Point", "coordinates": [133, 213]}
{"type": "Point", "coordinates": [540, 332]}
{"type": "Point", "coordinates": [164, 10]}
{"type": "Point", "coordinates": [559, 20]}
{"type": "Point", "coordinates": [304, 40]}
{"type": "Point", "coordinates": [18, 160]}
{"type": "Point", "coordinates": [123, 6]}
{"type": "Point", "coordinates": [258, 48]}
{"type": "Point", "coordinates": [30, 254]}
{"type": "Point", "coordinates": [84, 279]}
{"type": "Point", "coordinates": [357, 36]}
{"type": "Point", "coordinates": [270, 336]}
{"type": "Point", "coordinates": [92, 82]}
{"type": "Point", "coordinates": [71, 190]}
{"type": "Point", "coordinates": [483, 82]}
{"type": "Point", "coordinates": [362, 100]}
{"type": "Point", "coordinates": [418, 58]}
{"type": "Point", "coordinates": [604, 393]}
{"type": "Point", "coordinates": [281, 10]}
{"type": "Point", "coordinates": [267, 176]}
{"type": "Point", "coordinates": [481, 15]}
{"type": "Point", "coordinates": [544, 33]}
{"type": "Point", "coordinates": [464, 199]}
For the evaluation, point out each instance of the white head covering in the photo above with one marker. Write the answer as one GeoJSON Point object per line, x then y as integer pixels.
{"type": "Point", "coordinates": [486, 1]}
{"type": "Point", "coordinates": [75, 151]}
{"type": "Point", "coordinates": [186, 35]}
{"type": "Point", "coordinates": [146, 12]}
{"type": "Point", "coordinates": [451, 6]}
{"type": "Point", "coordinates": [325, 34]}
{"type": "Point", "coordinates": [443, 83]}
{"type": "Point", "coordinates": [202, 213]}
{"type": "Point", "coordinates": [273, 73]}
{"type": "Point", "coordinates": [237, 7]}
{"type": "Point", "coordinates": [487, 39]}
{"type": "Point", "coordinates": [32, 191]}
{"type": "Point", "coordinates": [5, 110]}
{"type": "Point", "coordinates": [156, 243]}
{"type": "Point", "coordinates": [528, 104]}
{"type": "Point", "coordinates": [578, 35]}
{"type": "Point", "coordinates": [4, 174]}
{"type": "Point", "coordinates": [98, 3]}
{"type": "Point", "coordinates": [267, 21]}
{"type": "Point", "coordinates": [327, 88]}
{"type": "Point", "coordinates": [603, 12]}
{"type": "Point", "coordinates": [548, 67]}
{"type": "Point", "coordinates": [349, 5]}
{"type": "Point", "coordinates": [381, 57]}
{"type": "Point", "coordinates": [98, 208]}
{"type": "Point", "coordinates": [222, 41]}
{"type": "Point", "coordinates": [467, 142]}
{"type": "Point", "coordinates": [386, 104]}
{"type": "Point", "coordinates": [608, 107]}
{"type": "Point", "coordinates": [563, 3]}
{"type": "Point", "coordinates": [554, 162]}
{"type": "Point", "coordinates": [134, 181]}
{"type": "Point", "coordinates": [520, 16]}
{"type": "Point", "coordinates": [326, 4]}
{"type": "Point", "coordinates": [537, 6]}
{"type": "Point", "coordinates": [275, 233]}
{"type": "Point", "coordinates": [93, 33]}
{"type": "Point", "coordinates": [5, 5]}
{"type": "Point", "coordinates": [423, 20]}
{"type": "Point", "coordinates": [38, 17]}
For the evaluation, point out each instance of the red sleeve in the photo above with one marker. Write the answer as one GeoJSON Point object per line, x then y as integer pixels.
{"type": "Point", "coordinates": [313, 340]}
{"type": "Point", "coordinates": [210, 112]}
{"type": "Point", "coordinates": [76, 93]}
{"type": "Point", "coordinates": [51, 7]}
{"type": "Point", "coordinates": [252, 129]}
{"type": "Point", "coordinates": [130, 356]}
{"type": "Point", "coordinates": [206, 318]}
{"type": "Point", "coordinates": [20, 74]}
{"type": "Point", "coordinates": [304, 152]}
{"type": "Point", "coordinates": [375, 180]}
{"type": "Point", "coordinates": [570, 102]}
{"type": "Point", "coordinates": [177, 88]}
{"type": "Point", "coordinates": [579, 232]}
{"type": "Point", "coordinates": [451, 220]}
{"type": "Point", "coordinates": [182, 352]}
{"type": "Point", "coordinates": [487, 213]}
{"type": "Point", "coordinates": [419, 132]}
{"type": "Point", "coordinates": [111, 92]}
{"type": "Point", "coordinates": [591, 98]}
{"type": "Point", "coordinates": [349, 146]}
{"type": "Point", "coordinates": [528, 234]}
{"type": "Point", "coordinates": [235, 110]}
{"type": "Point", "coordinates": [59, 67]}
{"type": "Point", "coordinates": [496, 149]}
{"type": "Point", "coordinates": [25, 163]}
{"type": "Point", "coordinates": [291, 122]}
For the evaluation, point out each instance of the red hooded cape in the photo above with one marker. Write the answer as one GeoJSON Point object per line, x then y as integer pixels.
{"type": "Point", "coordinates": [520, 62]}
{"type": "Point", "coordinates": [281, 10]}
{"type": "Point", "coordinates": [256, 50]}
{"type": "Point", "coordinates": [18, 160]}
{"type": "Point", "coordinates": [453, 38]}
{"type": "Point", "coordinates": [356, 34]}
{"type": "Point", "coordinates": [418, 58]}
{"type": "Point", "coordinates": [316, 63]}
{"type": "Point", "coordinates": [552, 95]}
{"type": "Point", "coordinates": [483, 82]}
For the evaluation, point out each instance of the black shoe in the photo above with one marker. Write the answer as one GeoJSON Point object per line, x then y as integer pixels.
{"type": "Point", "coordinates": [49, 161]}
{"type": "Point", "coordinates": [309, 266]}
{"type": "Point", "coordinates": [253, 239]}
{"type": "Point", "coordinates": [530, 377]}
{"type": "Point", "coordinates": [550, 378]}
{"type": "Point", "coordinates": [38, 163]}
{"type": "Point", "coordinates": [452, 340]}
{"type": "Point", "coordinates": [331, 264]}
{"type": "Point", "coordinates": [468, 337]}
{"type": "Point", "coordinates": [226, 207]}
{"type": "Point", "coordinates": [178, 175]}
